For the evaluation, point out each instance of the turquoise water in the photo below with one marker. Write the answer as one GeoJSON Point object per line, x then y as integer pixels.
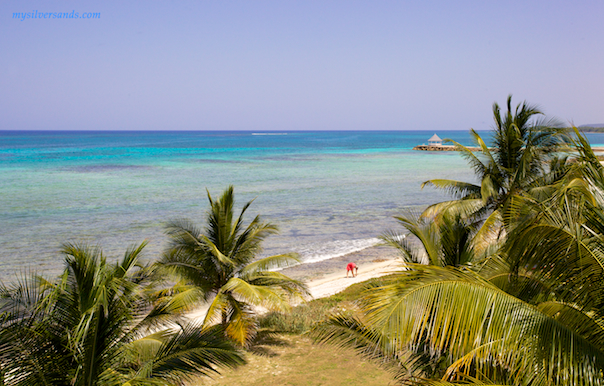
{"type": "Point", "coordinates": [329, 192]}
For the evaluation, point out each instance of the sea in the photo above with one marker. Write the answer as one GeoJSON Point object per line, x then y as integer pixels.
{"type": "Point", "coordinates": [329, 193]}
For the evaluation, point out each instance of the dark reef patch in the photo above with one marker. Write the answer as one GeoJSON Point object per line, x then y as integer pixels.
{"type": "Point", "coordinates": [105, 168]}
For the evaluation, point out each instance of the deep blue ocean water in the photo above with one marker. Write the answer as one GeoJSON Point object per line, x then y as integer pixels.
{"type": "Point", "coordinates": [329, 192]}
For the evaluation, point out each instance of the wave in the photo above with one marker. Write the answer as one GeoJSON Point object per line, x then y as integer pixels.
{"type": "Point", "coordinates": [269, 133]}
{"type": "Point", "coordinates": [333, 249]}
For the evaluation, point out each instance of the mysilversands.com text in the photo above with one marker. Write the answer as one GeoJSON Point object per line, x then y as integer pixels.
{"type": "Point", "coordinates": [55, 15]}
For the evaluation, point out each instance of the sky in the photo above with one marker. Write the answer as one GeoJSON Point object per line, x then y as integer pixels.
{"type": "Point", "coordinates": [297, 65]}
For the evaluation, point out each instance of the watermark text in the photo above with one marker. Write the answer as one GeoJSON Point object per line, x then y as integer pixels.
{"type": "Point", "coordinates": [35, 14]}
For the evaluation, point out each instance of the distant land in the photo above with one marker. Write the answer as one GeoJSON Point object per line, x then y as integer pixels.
{"type": "Point", "coordinates": [592, 128]}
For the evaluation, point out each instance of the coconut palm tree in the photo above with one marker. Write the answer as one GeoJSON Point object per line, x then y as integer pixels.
{"type": "Point", "coordinates": [531, 315]}
{"type": "Point", "coordinates": [222, 261]}
{"type": "Point", "coordinates": [515, 163]}
{"type": "Point", "coordinates": [96, 325]}
{"type": "Point", "coordinates": [451, 241]}
{"type": "Point", "coordinates": [546, 327]}
{"type": "Point", "coordinates": [447, 243]}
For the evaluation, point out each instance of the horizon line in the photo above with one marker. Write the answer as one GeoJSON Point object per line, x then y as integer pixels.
{"type": "Point", "coordinates": [228, 130]}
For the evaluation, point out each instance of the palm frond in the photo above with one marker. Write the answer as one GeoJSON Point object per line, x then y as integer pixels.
{"type": "Point", "coordinates": [195, 351]}
{"type": "Point", "coordinates": [218, 310]}
{"type": "Point", "coordinates": [291, 288]}
{"type": "Point", "coordinates": [466, 208]}
{"type": "Point", "coordinates": [408, 251]}
{"type": "Point", "coordinates": [242, 326]}
{"type": "Point", "coordinates": [222, 261]}
{"type": "Point", "coordinates": [216, 252]}
{"type": "Point", "coordinates": [270, 262]}
{"type": "Point", "coordinates": [415, 307]}
{"type": "Point", "coordinates": [168, 309]}
{"type": "Point", "coordinates": [589, 325]}
{"type": "Point", "coordinates": [347, 331]}
{"type": "Point", "coordinates": [424, 231]}
{"type": "Point", "coordinates": [89, 328]}
{"type": "Point", "coordinates": [457, 189]}
{"type": "Point", "coordinates": [264, 296]}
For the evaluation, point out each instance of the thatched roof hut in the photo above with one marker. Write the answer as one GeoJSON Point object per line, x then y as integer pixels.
{"type": "Point", "coordinates": [435, 141]}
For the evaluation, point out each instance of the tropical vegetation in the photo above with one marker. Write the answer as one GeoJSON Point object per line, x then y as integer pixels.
{"type": "Point", "coordinates": [221, 261]}
{"type": "Point", "coordinates": [529, 312]}
{"type": "Point", "coordinates": [501, 285]}
{"type": "Point", "coordinates": [103, 324]}
{"type": "Point", "coordinates": [450, 241]}
{"type": "Point", "coordinates": [516, 162]}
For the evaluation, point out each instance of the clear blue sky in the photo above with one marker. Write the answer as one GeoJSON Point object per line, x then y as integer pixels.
{"type": "Point", "coordinates": [297, 65]}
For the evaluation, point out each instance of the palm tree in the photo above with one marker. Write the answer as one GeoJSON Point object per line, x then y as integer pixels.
{"type": "Point", "coordinates": [544, 328]}
{"type": "Point", "coordinates": [450, 241]}
{"type": "Point", "coordinates": [517, 160]}
{"type": "Point", "coordinates": [532, 314]}
{"type": "Point", "coordinates": [222, 262]}
{"type": "Point", "coordinates": [96, 325]}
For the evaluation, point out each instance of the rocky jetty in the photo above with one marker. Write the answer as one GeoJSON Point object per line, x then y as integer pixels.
{"type": "Point", "coordinates": [441, 148]}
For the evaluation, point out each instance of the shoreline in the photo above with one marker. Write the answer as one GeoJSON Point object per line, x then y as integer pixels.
{"type": "Point", "coordinates": [336, 282]}
{"type": "Point", "coordinates": [328, 277]}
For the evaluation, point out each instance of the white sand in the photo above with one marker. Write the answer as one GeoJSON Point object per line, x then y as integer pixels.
{"type": "Point", "coordinates": [329, 284]}
{"type": "Point", "coordinates": [336, 282]}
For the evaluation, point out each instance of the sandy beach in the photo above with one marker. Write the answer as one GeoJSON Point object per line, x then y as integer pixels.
{"type": "Point", "coordinates": [335, 282]}
{"type": "Point", "coordinates": [328, 277]}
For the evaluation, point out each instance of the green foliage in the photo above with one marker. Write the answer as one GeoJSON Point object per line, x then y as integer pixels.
{"type": "Point", "coordinates": [515, 163]}
{"type": "Point", "coordinates": [298, 321]}
{"type": "Point", "coordinates": [591, 129]}
{"type": "Point", "coordinates": [450, 241]}
{"type": "Point", "coordinates": [306, 315]}
{"type": "Point", "coordinates": [530, 314]}
{"type": "Point", "coordinates": [221, 261]}
{"type": "Point", "coordinates": [97, 326]}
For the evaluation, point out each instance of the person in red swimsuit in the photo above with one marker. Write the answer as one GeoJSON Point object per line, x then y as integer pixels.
{"type": "Point", "coordinates": [352, 268]}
